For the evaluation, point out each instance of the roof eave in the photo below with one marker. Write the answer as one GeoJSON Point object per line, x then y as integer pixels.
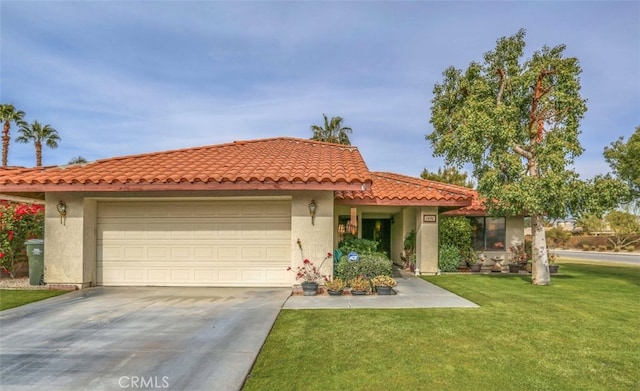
{"type": "Point", "coordinates": [181, 186]}
{"type": "Point", "coordinates": [402, 202]}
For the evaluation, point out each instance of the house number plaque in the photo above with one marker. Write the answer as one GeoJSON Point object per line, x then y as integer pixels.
{"type": "Point", "coordinates": [429, 218]}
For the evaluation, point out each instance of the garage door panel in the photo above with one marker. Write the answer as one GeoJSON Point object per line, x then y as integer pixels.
{"type": "Point", "coordinates": [206, 243]}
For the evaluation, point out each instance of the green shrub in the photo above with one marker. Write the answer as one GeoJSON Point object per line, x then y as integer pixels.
{"type": "Point", "coordinates": [602, 248]}
{"type": "Point", "coordinates": [557, 236]}
{"type": "Point", "coordinates": [455, 231]}
{"type": "Point", "coordinates": [369, 266]}
{"type": "Point", "coordinates": [630, 248]}
{"type": "Point", "coordinates": [586, 247]}
{"type": "Point", "coordinates": [361, 246]}
{"type": "Point", "coordinates": [449, 258]}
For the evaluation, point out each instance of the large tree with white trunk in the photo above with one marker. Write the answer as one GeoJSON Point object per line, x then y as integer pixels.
{"type": "Point", "coordinates": [516, 122]}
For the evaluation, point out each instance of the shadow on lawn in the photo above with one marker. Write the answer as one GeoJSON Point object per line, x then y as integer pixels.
{"type": "Point", "coordinates": [625, 273]}
{"type": "Point", "coordinates": [527, 277]}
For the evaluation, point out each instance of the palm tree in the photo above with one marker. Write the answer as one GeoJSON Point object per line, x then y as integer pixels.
{"type": "Point", "coordinates": [38, 133]}
{"type": "Point", "coordinates": [8, 114]}
{"type": "Point", "coordinates": [332, 132]}
{"type": "Point", "coordinates": [78, 160]}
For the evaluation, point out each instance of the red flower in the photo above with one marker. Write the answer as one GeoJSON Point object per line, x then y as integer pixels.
{"type": "Point", "coordinates": [306, 262]}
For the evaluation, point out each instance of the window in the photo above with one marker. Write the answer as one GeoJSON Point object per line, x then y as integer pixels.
{"type": "Point", "coordinates": [488, 233]}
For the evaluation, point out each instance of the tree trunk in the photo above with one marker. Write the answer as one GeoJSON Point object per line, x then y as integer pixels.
{"type": "Point", "coordinates": [5, 143]}
{"type": "Point", "coordinates": [540, 263]}
{"type": "Point", "coordinates": [38, 154]}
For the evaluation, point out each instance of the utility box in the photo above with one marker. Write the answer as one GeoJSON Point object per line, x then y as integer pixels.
{"type": "Point", "coordinates": [35, 253]}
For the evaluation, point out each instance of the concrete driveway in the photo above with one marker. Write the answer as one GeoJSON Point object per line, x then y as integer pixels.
{"type": "Point", "coordinates": [137, 338]}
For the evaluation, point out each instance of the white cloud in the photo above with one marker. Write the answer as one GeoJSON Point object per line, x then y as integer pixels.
{"type": "Point", "coordinates": [131, 77]}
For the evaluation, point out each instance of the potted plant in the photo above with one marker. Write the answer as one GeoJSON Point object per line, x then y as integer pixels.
{"type": "Point", "coordinates": [359, 286]}
{"type": "Point", "coordinates": [383, 284]}
{"type": "Point", "coordinates": [519, 258]}
{"type": "Point", "coordinates": [308, 273]}
{"type": "Point", "coordinates": [409, 253]}
{"type": "Point", "coordinates": [474, 262]}
{"type": "Point", "coordinates": [335, 286]}
{"type": "Point", "coordinates": [553, 268]}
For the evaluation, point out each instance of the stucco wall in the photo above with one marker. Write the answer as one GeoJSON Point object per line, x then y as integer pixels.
{"type": "Point", "coordinates": [514, 234]}
{"type": "Point", "coordinates": [70, 248]}
{"type": "Point", "coordinates": [317, 239]}
{"type": "Point", "coordinates": [64, 242]}
{"type": "Point", "coordinates": [426, 241]}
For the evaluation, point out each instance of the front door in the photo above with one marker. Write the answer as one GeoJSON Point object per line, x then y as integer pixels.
{"type": "Point", "coordinates": [378, 230]}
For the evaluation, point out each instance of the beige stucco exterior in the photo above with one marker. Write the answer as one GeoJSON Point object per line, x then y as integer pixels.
{"type": "Point", "coordinates": [514, 227]}
{"type": "Point", "coordinates": [71, 245]}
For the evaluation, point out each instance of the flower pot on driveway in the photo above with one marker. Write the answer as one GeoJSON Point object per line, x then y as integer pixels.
{"type": "Point", "coordinates": [476, 267]}
{"type": "Point", "coordinates": [309, 288]}
{"type": "Point", "coordinates": [553, 269]}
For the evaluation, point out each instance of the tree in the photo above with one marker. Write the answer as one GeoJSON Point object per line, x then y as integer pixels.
{"type": "Point", "coordinates": [590, 223]}
{"type": "Point", "coordinates": [623, 159]}
{"type": "Point", "coordinates": [449, 175]}
{"type": "Point", "coordinates": [332, 131]}
{"type": "Point", "coordinates": [38, 134]}
{"type": "Point", "coordinates": [78, 160]}
{"type": "Point", "coordinates": [517, 123]}
{"type": "Point", "coordinates": [8, 114]}
{"type": "Point", "coordinates": [625, 227]}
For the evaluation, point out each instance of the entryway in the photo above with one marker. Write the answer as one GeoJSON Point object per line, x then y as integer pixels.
{"type": "Point", "coordinates": [378, 230]}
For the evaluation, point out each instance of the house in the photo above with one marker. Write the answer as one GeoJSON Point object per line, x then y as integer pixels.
{"type": "Point", "coordinates": [230, 214]}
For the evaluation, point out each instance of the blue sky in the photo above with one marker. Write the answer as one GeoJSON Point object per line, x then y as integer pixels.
{"type": "Point", "coordinates": [129, 77]}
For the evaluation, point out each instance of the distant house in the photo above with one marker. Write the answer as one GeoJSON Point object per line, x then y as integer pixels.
{"type": "Point", "coordinates": [230, 214]}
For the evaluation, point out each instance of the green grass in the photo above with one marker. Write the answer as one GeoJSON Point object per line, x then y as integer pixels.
{"type": "Point", "coordinates": [580, 333]}
{"type": "Point", "coordinates": [14, 298]}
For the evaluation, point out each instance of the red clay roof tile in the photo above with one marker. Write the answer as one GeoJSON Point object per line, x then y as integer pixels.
{"type": "Point", "coordinates": [395, 189]}
{"type": "Point", "coordinates": [279, 163]}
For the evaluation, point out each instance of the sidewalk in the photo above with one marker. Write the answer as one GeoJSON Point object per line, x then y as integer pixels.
{"type": "Point", "coordinates": [412, 292]}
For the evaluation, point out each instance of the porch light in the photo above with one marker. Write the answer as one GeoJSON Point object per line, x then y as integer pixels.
{"type": "Point", "coordinates": [62, 210]}
{"type": "Point", "coordinates": [312, 211]}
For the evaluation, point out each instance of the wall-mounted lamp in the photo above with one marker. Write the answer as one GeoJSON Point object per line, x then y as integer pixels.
{"type": "Point", "coordinates": [62, 210]}
{"type": "Point", "coordinates": [312, 211]}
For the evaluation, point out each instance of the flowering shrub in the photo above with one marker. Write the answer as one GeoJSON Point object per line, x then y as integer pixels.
{"type": "Point", "coordinates": [384, 281]}
{"type": "Point", "coordinates": [520, 253]}
{"type": "Point", "coordinates": [18, 223]}
{"type": "Point", "coordinates": [308, 272]}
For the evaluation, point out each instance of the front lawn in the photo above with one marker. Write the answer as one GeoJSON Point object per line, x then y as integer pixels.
{"type": "Point", "coordinates": [580, 333]}
{"type": "Point", "coordinates": [10, 298]}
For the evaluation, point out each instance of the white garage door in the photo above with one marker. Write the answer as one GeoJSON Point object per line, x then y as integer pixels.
{"type": "Point", "coordinates": [194, 243]}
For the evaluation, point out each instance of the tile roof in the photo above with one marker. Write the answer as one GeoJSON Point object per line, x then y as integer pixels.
{"type": "Point", "coordinates": [395, 189]}
{"type": "Point", "coordinates": [477, 208]}
{"type": "Point", "coordinates": [275, 163]}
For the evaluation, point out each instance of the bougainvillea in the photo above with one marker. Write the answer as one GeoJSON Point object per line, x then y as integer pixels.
{"type": "Point", "coordinates": [18, 223]}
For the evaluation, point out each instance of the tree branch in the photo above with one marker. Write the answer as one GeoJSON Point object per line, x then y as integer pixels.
{"type": "Point", "coordinates": [503, 81]}
{"type": "Point", "coordinates": [520, 150]}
